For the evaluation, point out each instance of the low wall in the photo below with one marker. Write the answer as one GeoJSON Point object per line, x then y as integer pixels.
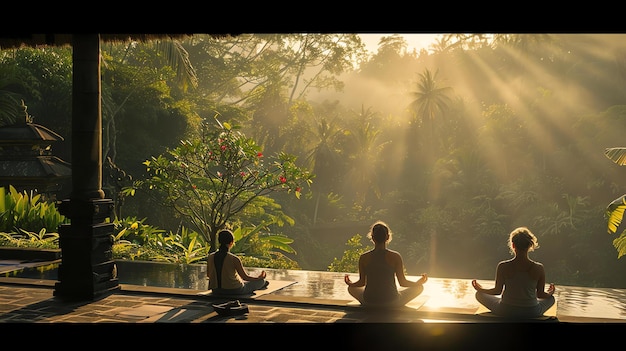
{"type": "Point", "coordinates": [28, 253]}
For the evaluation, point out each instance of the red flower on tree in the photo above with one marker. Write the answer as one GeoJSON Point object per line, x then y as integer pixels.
{"type": "Point", "coordinates": [283, 179]}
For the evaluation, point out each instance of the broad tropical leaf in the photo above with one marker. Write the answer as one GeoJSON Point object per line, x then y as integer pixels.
{"type": "Point", "coordinates": [615, 213]}
{"type": "Point", "coordinates": [620, 245]}
{"type": "Point", "coordinates": [279, 242]}
{"type": "Point", "coordinates": [616, 154]}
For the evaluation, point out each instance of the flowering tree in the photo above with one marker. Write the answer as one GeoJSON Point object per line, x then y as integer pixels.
{"type": "Point", "coordinates": [212, 179]}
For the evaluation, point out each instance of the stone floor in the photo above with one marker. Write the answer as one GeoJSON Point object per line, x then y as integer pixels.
{"type": "Point", "coordinates": [301, 302]}
{"type": "Point", "coordinates": [443, 298]}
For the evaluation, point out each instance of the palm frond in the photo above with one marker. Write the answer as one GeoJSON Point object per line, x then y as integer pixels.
{"type": "Point", "coordinates": [616, 154]}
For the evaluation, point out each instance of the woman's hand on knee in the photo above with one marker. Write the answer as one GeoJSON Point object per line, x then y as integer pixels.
{"type": "Point", "coordinates": [476, 285]}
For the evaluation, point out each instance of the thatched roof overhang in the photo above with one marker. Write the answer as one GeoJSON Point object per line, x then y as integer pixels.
{"type": "Point", "coordinates": [17, 40]}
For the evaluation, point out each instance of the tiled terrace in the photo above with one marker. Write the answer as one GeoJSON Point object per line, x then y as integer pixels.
{"type": "Point", "coordinates": [443, 299]}
{"type": "Point", "coordinates": [307, 309]}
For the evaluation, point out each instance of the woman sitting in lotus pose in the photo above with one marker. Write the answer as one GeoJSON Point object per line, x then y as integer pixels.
{"type": "Point", "coordinates": [225, 270]}
{"type": "Point", "coordinates": [519, 289]}
{"type": "Point", "coordinates": [378, 270]}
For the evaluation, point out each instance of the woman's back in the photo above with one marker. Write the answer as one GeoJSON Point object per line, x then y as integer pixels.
{"type": "Point", "coordinates": [520, 285]}
{"type": "Point", "coordinates": [229, 280]}
{"type": "Point", "coordinates": [381, 280]}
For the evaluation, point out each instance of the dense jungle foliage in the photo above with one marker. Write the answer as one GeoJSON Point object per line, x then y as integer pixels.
{"type": "Point", "coordinates": [453, 146]}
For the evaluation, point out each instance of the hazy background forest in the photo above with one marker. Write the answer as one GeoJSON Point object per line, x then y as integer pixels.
{"type": "Point", "coordinates": [453, 145]}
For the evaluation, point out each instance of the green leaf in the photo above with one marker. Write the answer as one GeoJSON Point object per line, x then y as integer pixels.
{"type": "Point", "coordinates": [616, 154]}
{"type": "Point", "coordinates": [615, 213]}
{"type": "Point", "coordinates": [620, 245]}
{"type": "Point", "coordinates": [279, 242]}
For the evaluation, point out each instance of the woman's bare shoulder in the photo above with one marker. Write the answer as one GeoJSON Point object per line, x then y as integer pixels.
{"type": "Point", "coordinates": [505, 265]}
{"type": "Point", "coordinates": [394, 255]}
{"type": "Point", "coordinates": [505, 262]}
{"type": "Point", "coordinates": [232, 256]}
{"type": "Point", "coordinates": [367, 253]}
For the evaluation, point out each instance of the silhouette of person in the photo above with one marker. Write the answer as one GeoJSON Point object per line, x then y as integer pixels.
{"type": "Point", "coordinates": [226, 273]}
{"type": "Point", "coordinates": [378, 270]}
{"type": "Point", "coordinates": [519, 289]}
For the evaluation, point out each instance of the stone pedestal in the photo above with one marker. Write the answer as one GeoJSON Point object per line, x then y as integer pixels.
{"type": "Point", "coordinates": [87, 269]}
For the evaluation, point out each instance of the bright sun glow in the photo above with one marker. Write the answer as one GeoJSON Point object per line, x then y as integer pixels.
{"type": "Point", "coordinates": [414, 40]}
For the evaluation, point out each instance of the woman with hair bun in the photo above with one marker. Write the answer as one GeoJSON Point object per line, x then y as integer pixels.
{"type": "Point", "coordinates": [519, 289]}
{"type": "Point", "coordinates": [378, 270]}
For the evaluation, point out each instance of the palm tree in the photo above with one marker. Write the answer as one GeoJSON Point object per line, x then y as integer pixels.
{"type": "Point", "coordinates": [324, 157]}
{"type": "Point", "coordinates": [365, 158]}
{"type": "Point", "coordinates": [430, 100]}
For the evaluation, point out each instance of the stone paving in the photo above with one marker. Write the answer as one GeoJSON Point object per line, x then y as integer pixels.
{"type": "Point", "coordinates": [30, 312]}
{"type": "Point", "coordinates": [37, 304]}
{"type": "Point", "coordinates": [293, 297]}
